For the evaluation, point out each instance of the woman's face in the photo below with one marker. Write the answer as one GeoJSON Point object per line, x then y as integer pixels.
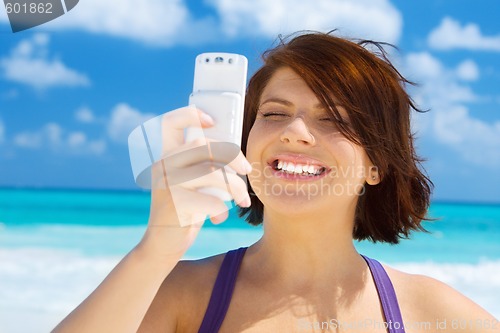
{"type": "Point", "coordinates": [301, 162]}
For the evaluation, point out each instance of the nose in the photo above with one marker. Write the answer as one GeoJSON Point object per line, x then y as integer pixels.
{"type": "Point", "coordinates": [297, 132]}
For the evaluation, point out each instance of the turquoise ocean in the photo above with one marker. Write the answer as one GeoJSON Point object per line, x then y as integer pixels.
{"type": "Point", "coordinates": [57, 245]}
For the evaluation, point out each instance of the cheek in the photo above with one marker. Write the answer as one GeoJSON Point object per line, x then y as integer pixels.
{"type": "Point", "coordinates": [351, 159]}
{"type": "Point", "coordinates": [258, 138]}
{"type": "Point", "coordinates": [344, 151]}
{"type": "Point", "coordinates": [255, 143]}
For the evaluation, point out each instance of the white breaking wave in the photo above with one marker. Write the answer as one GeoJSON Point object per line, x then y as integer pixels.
{"type": "Point", "coordinates": [480, 282]}
{"type": "Point", "coordinates": [40, 285]}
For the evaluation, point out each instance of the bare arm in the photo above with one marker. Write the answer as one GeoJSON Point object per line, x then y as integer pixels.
{"type": "Point", "coordinates": [120, 302]}
{"type": "Point", "coordinates": [454, 311]}
{"type": "Point", "coordinates": [463, 315]}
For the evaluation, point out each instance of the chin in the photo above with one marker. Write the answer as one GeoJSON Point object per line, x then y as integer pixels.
{"type": "Point", "coordinates": [293, 204]}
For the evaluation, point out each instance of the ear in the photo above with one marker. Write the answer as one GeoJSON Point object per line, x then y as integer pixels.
{"type": "Point", "coordinates": [373, 176]}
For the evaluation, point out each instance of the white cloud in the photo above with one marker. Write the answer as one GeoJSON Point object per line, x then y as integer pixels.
{"type": "Point", "coordinates": [440, 86]}
{"type": "Point", "coordinates": [445, 91]}
{"type": "Point", "coordinates": [451, 35]}
{"type": "Point", "coordinates": [79, 143]}
{"type": "Point", "coordinates": [54, 137]}
{"type": "Point", "coordinates": [476, 140]}
{"type": "Point", "coordinates": [29, 139]}
{"type": "Point", "coordinates": [85, 115]}
{"type": "Point", "coordinates": [169, 22]}
{"type": "Point", "coordinates": [29, 63]}
{"type": "Point", "coordinates": [468, 71]}
{"type": "Point", "coordinates": [155, 22]}
{"type": "Point", "coordinates": [53, 133]}
{"type": "Point", "coordinates": [76, 139]}
{"type": "Point", "coordinates": [123, 120]}
{"type": "Point", "coordinates": [377, 19]}
{"type": "Point", "coordinates": [424, 65]}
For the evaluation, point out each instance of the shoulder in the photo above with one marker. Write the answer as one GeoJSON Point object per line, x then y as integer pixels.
{"type": "Point", "coordinates": [191, 279]}
{"type": "Point", "coordinates": [183, 295]}
{"type": "Point", "coordinates": [425, 299]}
{"type": "Point", "coordinates": [195, 271]}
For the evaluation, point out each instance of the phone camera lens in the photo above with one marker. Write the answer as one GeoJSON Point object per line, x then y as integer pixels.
{"type": "Point", "coordinates": [219, 59]}
{"type": "Point", "coordinates": [207, 59]}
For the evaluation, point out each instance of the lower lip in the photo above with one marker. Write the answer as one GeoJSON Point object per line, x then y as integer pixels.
{"type": "Point", "coordinates": [291, 176]}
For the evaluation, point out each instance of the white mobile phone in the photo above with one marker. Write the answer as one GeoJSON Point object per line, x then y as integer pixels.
{"type": "Point", "coordinates": [219, 90]}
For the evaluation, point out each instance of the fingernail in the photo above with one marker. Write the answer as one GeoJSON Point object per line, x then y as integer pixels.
{"type": "Point", "coordinates": [246, 202]}
{"type": "Point", "coordinates": [206, 119]}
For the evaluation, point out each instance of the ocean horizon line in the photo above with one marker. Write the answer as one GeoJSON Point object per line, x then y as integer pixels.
{"type": "Point", "coordinates": [443, 201]}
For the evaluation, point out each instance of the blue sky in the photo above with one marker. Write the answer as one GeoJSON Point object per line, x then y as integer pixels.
{"type": "Point", "coordinates": [71, 90]}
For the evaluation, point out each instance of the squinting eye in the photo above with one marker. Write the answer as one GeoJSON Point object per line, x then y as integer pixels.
{"type": "Point", "coordinates": [273, 114]}
{"type": "Point", "coordinates": [330, 121]}
{"type": "Point", "coordinates": [269, 114]}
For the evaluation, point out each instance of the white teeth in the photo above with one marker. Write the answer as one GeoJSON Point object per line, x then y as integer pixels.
{"type": "Point", "coordinates": [298, 169]}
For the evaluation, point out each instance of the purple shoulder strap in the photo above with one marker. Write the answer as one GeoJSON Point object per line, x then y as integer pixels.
{"type": "Point", "coordinates": [226, 280]}
{"type": "Point", "coordinates": [387, 296]}
{"type": "Point", "coordinates": [222, 291]}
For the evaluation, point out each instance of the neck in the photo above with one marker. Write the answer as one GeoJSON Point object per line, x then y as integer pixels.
{"type": "Point", "coordinates": [312, 249]}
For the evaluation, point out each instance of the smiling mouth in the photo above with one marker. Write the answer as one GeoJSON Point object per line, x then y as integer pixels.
{"type": "Point", "coordinates": [289, 168]}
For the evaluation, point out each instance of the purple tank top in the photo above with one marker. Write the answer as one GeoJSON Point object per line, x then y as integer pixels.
{"type": "Point", "coordinates": [226, 280]}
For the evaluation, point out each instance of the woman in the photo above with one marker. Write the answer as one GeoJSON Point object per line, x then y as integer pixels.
{"type": "Point", "coordinates": [327, 134]}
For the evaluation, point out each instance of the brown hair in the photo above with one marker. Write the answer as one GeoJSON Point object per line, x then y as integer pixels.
{"type": "Point", "coordinates": [372, 91]}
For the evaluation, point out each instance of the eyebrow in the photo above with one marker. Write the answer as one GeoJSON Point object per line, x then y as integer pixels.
{"type": "Point", "coordinates": [286, 102]}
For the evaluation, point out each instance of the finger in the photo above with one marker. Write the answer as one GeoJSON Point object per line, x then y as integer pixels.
{"type": "Point", "coordinates": [159, 176]}
{"type": "Point", "coordinates": [199, 176]}
{"type": "Point", "coordinates": [217, 219]}
{"type": "Point", "coordinates": [230, 154]}
{"type": "Point", "coordinates": [240, 164]}
{"type": "Point", "coordinates": [193, 207]}
{"type": "Point", "coordinates": [174, 122]}
{"type": "Point", "coordinates": [201, 150]}
{"type": "Point", "coordinates": [228, 182]}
